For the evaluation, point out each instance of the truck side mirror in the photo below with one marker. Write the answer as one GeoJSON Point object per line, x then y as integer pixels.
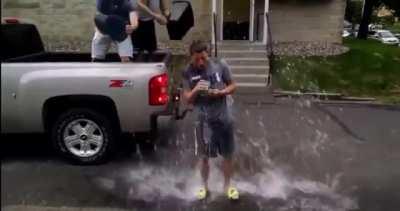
{"type": "Point", "coordinates": [181, 19]}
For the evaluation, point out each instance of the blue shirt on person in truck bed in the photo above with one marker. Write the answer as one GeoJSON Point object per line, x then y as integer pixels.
{"type": "Point", "coordinates": [120, 8]}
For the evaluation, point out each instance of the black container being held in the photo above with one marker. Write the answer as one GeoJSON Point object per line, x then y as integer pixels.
{"type": "Point", "coordinates": [181, 20]}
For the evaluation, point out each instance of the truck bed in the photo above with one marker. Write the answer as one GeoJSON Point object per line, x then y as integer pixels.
{"type": "Point", "coordinates": [21, 43]}
{"type": "Point", "coordinates": [157, 57]}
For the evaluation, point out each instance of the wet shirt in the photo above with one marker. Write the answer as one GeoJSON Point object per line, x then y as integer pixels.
{"type": "Point", "coordinates": [121, 8]}
{"type": "Point", "coordinates": [219, 75]}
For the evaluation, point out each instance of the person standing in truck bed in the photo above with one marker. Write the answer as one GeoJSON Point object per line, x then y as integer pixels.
{"type": "Point", "coordinates": [144, 38]}
{"type": "Point", "coordinates": [116, 19]}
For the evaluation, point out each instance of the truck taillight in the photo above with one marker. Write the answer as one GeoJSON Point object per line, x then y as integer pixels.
{"type": "Point", "coordinates": [158, 90]}
{"type": "Point", "coordinates": [11, 20]}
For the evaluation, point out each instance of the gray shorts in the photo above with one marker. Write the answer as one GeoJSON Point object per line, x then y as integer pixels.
{"type": "Point", "coordinates": [101, 43]}
{"type": "Point", "coordinates": [213, 138]}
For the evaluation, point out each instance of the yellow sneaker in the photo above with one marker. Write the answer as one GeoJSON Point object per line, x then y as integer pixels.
{"type": "Point", "coordinates": [201, 194]}
{"type": "Point", "coordinates": [232, 193]}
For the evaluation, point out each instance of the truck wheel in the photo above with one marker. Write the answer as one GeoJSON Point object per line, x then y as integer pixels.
{"type": "Point", "coordinates": [83, 136]}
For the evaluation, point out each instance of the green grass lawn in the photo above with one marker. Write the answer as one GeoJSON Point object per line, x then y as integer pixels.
{"type": "Point", "coordinates": [368, 69]}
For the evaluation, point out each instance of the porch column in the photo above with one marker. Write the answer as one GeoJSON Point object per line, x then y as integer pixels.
{"type": "Point", "coordinates": [251, 29]}
{"type": "Point", "coordinates": [220, 23]}
{"type": "Point", "coordinates": [265, 34]}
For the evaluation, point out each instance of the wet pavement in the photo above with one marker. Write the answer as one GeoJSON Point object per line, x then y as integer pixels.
{"type": "Point", "coordinates": [291, 155]}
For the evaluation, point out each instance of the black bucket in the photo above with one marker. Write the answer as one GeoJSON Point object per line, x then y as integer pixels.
{"type": "Point", "coordinates": [181, 20]}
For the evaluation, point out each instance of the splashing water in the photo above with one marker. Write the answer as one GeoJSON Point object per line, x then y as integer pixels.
{"type": "Point", "coordinates": [150, 183]}
{"type": "Point", "coordinates": [257, 174]}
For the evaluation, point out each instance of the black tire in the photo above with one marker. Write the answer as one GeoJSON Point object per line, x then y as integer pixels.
{"type": "Point", "coordinates": [104, 125]}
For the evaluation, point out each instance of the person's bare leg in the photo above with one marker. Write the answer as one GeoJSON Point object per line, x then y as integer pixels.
{"type": "Point", "coordinates": [125, 59]}
{"type": "Point", "coordinates": [205, 172]}
{"type": "Point", "coordinates": [227, 169]}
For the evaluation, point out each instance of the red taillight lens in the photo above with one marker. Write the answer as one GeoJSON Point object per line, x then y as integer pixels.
{"type": "Point", "coordinates": [158, 90]}
{"type": "Point", "coordinates": [11, 20]}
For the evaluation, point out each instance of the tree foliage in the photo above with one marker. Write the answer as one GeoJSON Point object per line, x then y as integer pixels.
{"type": "Point", "coordinates": [391, 4]}
{"type": "Point", "coordinates": [369, 6]}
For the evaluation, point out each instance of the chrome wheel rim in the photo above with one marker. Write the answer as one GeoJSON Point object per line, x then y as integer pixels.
{"type": "Point", "coordinates": [83, 138]}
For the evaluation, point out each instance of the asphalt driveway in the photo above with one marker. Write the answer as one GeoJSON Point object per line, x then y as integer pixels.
{"type": "Point", "coordinates": [291, 155]}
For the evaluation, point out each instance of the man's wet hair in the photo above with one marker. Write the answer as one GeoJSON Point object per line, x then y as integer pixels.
{"type": "Point", "coordinates": [198, 46]}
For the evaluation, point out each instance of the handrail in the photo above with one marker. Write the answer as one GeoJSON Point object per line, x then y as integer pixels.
{"type": "Point", "coordinates": [215, 35]}
{"type": "Point", "coordinates": [270, 49]}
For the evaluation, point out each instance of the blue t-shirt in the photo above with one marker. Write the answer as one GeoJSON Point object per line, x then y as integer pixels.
{"type": "Point", "coordinates": [219, 75]}
{"type": "Point", "coordinates": [120, 8]}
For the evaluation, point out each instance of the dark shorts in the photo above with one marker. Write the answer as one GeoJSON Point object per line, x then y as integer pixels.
{"type": "Point", "coordinates": [213, 138]}
{"type": "Point", "coordinates": [144, 38]}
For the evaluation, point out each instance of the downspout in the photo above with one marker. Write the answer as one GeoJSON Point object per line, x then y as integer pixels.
{"type": "Point", "coordinates": [214, 28]}
{"type": "Point", "coordinates": [269, 43]}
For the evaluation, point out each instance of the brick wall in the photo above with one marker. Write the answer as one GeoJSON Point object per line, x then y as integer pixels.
{"type": "Point", "coordinates": [68, 24]}
{"type": "Point", "coordinates": [63, 24]}
{"type": "Point", "coordinates": [307, 21]}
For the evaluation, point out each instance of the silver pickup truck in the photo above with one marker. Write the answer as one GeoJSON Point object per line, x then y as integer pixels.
{"type": "Point", "coordinates": [83, 106]}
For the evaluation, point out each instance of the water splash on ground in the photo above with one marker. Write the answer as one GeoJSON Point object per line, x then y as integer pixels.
{"type": "Point", "coordinates": [259, 175]}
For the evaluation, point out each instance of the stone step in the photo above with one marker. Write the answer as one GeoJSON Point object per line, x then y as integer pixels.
{"type": "Point", "coordinates": [249, 68]}
{"type": "Point", "coordinates": [248, 71]}
{"type": "Point", "coordinates": [247, 61]}
{"type": "Point", "coordinates": [249, 64]}
{"type": "Point", "coordinates": [250, 78]}
{"type": "Point", "coordinates": [235, 54]}
{"type": "Point", "coordinates": [242, 47]}
{"type": "Point", "coordinates": [239, 43]}
{"type": "Point", "coordinates": [238, 69]}
{"type": "Point", "coordinates": [250, 84]}
{"type": "Point", "coordinates": [244, 88]}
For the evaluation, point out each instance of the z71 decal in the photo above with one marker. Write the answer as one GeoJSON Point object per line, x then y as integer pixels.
{"type": "Point", "coordinates": [121, 83]}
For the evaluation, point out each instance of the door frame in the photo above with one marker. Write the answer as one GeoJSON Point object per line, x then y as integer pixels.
{"type": "Point", "coordinates": [251, 21]}
{"type": "Point", "coordinates": [219, 10]}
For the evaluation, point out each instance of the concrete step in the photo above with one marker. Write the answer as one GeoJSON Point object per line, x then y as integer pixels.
{"type": "Point", "coordinates": [242, 47]}
{"type": "Point", "coordinates": [249, 71]}
{"type": "Point", "coordinates": [245, 88]}
{"type": "Point", "coordinates": [262, 69]}
{"type": "Point", "coordinates": [239, 43]}
{"type": "Point", "coordinates": [250, 78]}
{"type": "Point", "coordinates": [249, 64]}
{"type": "Point", "coordinates": [247, 61]}
{"type": "Point", "coordinates": [251, 84]}
{"type": "Point", "coordinates": [242, 53]}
